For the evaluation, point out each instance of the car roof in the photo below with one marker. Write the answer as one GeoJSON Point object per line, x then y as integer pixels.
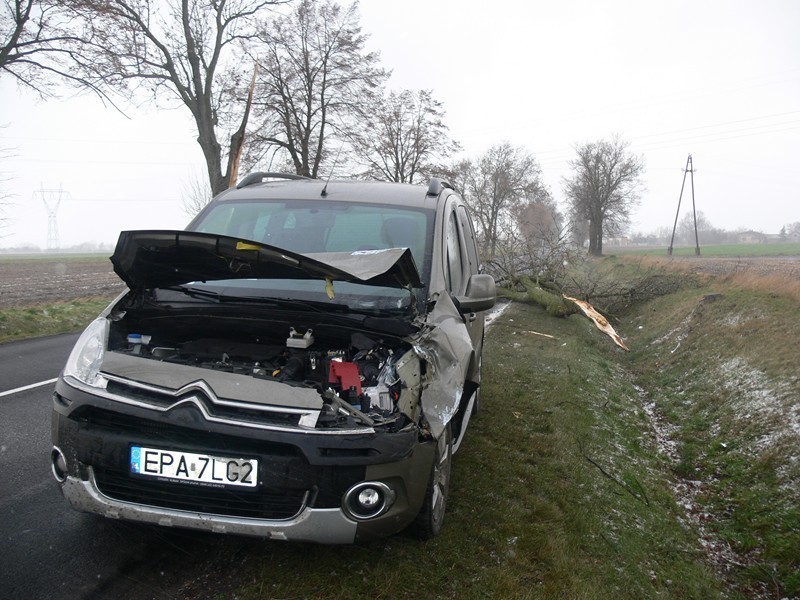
{"type": "Point", "coordinates": [337, 190]}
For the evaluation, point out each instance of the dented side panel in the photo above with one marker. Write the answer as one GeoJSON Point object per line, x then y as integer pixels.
{"type": "Point", "coordinates": [446, 348]}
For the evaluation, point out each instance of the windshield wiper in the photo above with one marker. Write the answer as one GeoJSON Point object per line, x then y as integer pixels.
{"type": "Point", "coordinates": [310, 305]}
{"type": "Point", "coordinates": [206, 295]}
{"type": "Point", "coordinates": [220, 298]}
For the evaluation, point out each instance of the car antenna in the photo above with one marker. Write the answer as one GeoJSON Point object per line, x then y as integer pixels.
{"type": "Point", "coordinates": [336, 160]}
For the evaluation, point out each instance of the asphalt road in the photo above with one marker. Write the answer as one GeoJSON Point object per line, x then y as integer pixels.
{"type": "Point", "coordinates": [48, 550]}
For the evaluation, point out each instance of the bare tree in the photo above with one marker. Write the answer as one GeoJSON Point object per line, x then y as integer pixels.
{"type": "Point", "coordinates": [315, 78]}
{"type": "Point", "coordinates": [604, 187]}
{"type": "Point", "coordinates": [707, 233]}
{"type": "Point", "coordinates": [6, 197]}
{"type": "Point", "coordinates": [404, 137]}
{"type": "Point", "coordinates": [39, 48]}
{"type": "Point", "coordinates": [538, 218]}
{"type": "Point", "coordinates": [533, 243]}
{"type": "Point", "coordinates": [195, 195]}
{"type": "Point", "coordinates": [187, 51]}
{"type": "Point", "coordinates": [791, 232]}
{"type": "Point", "coordinates": [6, 200]}
{"type": "Point", "coordinates": [494, 186]}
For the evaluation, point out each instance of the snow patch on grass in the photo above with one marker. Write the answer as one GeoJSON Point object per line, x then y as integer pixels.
{"type": "Point", "coordinates": [688, 493]}
{"type": "Point", "coordinates": [677, 334]}
{"type": "Point", "coordinates": [757, 399]}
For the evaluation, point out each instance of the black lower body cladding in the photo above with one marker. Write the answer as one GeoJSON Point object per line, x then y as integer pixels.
{"type": "Point", "coordinates": [300, 474]}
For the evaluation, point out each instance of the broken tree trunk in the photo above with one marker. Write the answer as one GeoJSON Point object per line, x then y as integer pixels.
{"type": "Point", "coordinates": [599, 321]}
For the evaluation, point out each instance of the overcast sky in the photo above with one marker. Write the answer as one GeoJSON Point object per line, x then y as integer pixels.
{"type": "Point", "coordinates": [719, 80]}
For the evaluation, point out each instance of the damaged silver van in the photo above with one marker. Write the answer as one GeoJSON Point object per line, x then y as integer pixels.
{"type": "Point", "coordinates": [300, 363]}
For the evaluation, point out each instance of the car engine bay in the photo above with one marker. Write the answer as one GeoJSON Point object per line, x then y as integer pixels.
{"type": "Point", "coordinates": [355, 374]}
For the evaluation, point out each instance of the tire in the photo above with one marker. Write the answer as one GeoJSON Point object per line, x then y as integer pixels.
{"type": "Point", "coordinates": [428, 522]}
{"type": "Point", "coordinates": [476, 406]}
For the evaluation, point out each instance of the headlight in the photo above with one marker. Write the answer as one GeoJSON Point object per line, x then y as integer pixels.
{"type": "Point", "coordinates": [84, 361]}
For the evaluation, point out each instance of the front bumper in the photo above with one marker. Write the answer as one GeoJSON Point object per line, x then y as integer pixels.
{"type": "Point", "coordinates": [303, 476]}
{"type": "Point", "coordinates": [321, 525]}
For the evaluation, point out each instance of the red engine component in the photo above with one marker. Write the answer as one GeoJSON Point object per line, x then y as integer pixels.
{"type": "Point", "coordinates": [346, 375]}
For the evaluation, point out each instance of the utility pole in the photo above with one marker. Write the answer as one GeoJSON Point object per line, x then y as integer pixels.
{"type": "Point", "coordinates": [689, 169]}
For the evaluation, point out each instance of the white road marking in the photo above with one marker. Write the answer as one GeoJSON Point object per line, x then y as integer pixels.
{"type": "Point", "coordinates": [25, 388]}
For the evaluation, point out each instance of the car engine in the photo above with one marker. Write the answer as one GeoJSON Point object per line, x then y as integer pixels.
{"type": "Point", "coordinates": [356, 378]}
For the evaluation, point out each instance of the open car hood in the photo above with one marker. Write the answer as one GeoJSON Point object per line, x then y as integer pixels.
{"type": "Point", "coordinates": [160, 258]}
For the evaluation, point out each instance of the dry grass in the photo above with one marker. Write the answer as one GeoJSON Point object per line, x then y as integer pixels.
{"type": "Point", "coordinates": [770, 275]}
{"type": "Point", "coordinates": [772, 283]}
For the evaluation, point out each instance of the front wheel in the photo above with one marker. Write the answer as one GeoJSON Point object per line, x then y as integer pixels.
{"type": "Point", "coordinates": [476, 405]}
{"type": "Point", "coordinates": [429, 521]}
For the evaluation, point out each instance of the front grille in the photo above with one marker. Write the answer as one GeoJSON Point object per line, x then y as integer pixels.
{"type": "Point", "coordinates": [260, 504]}
{"type": "Point", "coordinates": [176, 435]}
{"type": "Point", "coordinates": [164, 399]}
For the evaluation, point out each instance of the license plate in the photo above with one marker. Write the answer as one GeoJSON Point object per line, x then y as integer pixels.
{"type": "Point", "coordinates": [201, 469]}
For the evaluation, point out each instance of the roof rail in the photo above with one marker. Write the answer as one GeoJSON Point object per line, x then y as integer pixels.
{"type": "Point", "coordinates": [260, 176]}
{"type": "Point", "coordinates": [436, 185]}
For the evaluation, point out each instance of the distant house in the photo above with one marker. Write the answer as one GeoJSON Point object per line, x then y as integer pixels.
{"type": "Point", "coordinates": [751, 237]}
{"type": "Point", "coordinates": [619, 241]}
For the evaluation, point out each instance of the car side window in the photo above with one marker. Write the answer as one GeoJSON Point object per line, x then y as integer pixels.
{"type": "Point", "coordinates": [469, 238]}
{"type": "Point", "coordinates": [455, 260]}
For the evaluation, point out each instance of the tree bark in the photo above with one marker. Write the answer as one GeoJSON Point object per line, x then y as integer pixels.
{"type": "Point", "coordinates": [596, 236]}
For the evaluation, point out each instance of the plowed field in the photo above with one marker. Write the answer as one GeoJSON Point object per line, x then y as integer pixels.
{"type": "Point", "coordinates": [47, 280]}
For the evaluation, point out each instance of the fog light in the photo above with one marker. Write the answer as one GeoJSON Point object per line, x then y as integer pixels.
{"type": "Point", "coordinates": [368, 500]}
{"type": "Point", "coordinates": [59, 464]}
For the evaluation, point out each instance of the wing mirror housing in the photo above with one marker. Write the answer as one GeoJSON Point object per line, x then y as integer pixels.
{"type": "Point", "coordinates": [481, 294]}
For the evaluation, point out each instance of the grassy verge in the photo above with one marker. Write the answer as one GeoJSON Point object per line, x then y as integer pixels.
{"type": "Point", "coordinates": [557, 493]}
{"type": "Point", "coordinates": [37, 321]}
{"type": "Point", "coordinates": [721, 364]}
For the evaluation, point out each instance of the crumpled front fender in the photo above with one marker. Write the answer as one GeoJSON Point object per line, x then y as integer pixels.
{"type": "Point", "coordinates": [446, 348]}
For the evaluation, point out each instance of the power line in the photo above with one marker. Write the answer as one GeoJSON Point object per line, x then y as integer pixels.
{"type": "Point", "coordinates": [105, 162]}
{"type": "Point", "coordinates": [692, 141]}
{"type": "Point", "coordinates": [719, 136]}
{"type": "Point", "coordinates": [783, 114]}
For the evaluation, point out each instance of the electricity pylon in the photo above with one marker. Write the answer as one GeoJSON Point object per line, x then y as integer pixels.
{"type": "Point", "coordinates": [52, 200]}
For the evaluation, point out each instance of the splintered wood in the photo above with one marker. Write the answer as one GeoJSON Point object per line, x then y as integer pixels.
{"type": "Point", "coordinates": [599, 320]}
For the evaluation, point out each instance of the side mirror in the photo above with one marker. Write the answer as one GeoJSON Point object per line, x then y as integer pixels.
{"type": "Point", "coordinates": [481, 294]}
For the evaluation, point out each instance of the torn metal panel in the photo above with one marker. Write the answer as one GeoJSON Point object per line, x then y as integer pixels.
{"type": "Point", "coordinates": [409, 371]}
{"type": "Point", "coordinates": [446, 348]}
{"type": "Point", "coordinates": [390, 266]}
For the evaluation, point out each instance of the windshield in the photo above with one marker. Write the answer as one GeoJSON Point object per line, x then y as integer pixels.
{"type": "Point", "coordinates": [319, 226]}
